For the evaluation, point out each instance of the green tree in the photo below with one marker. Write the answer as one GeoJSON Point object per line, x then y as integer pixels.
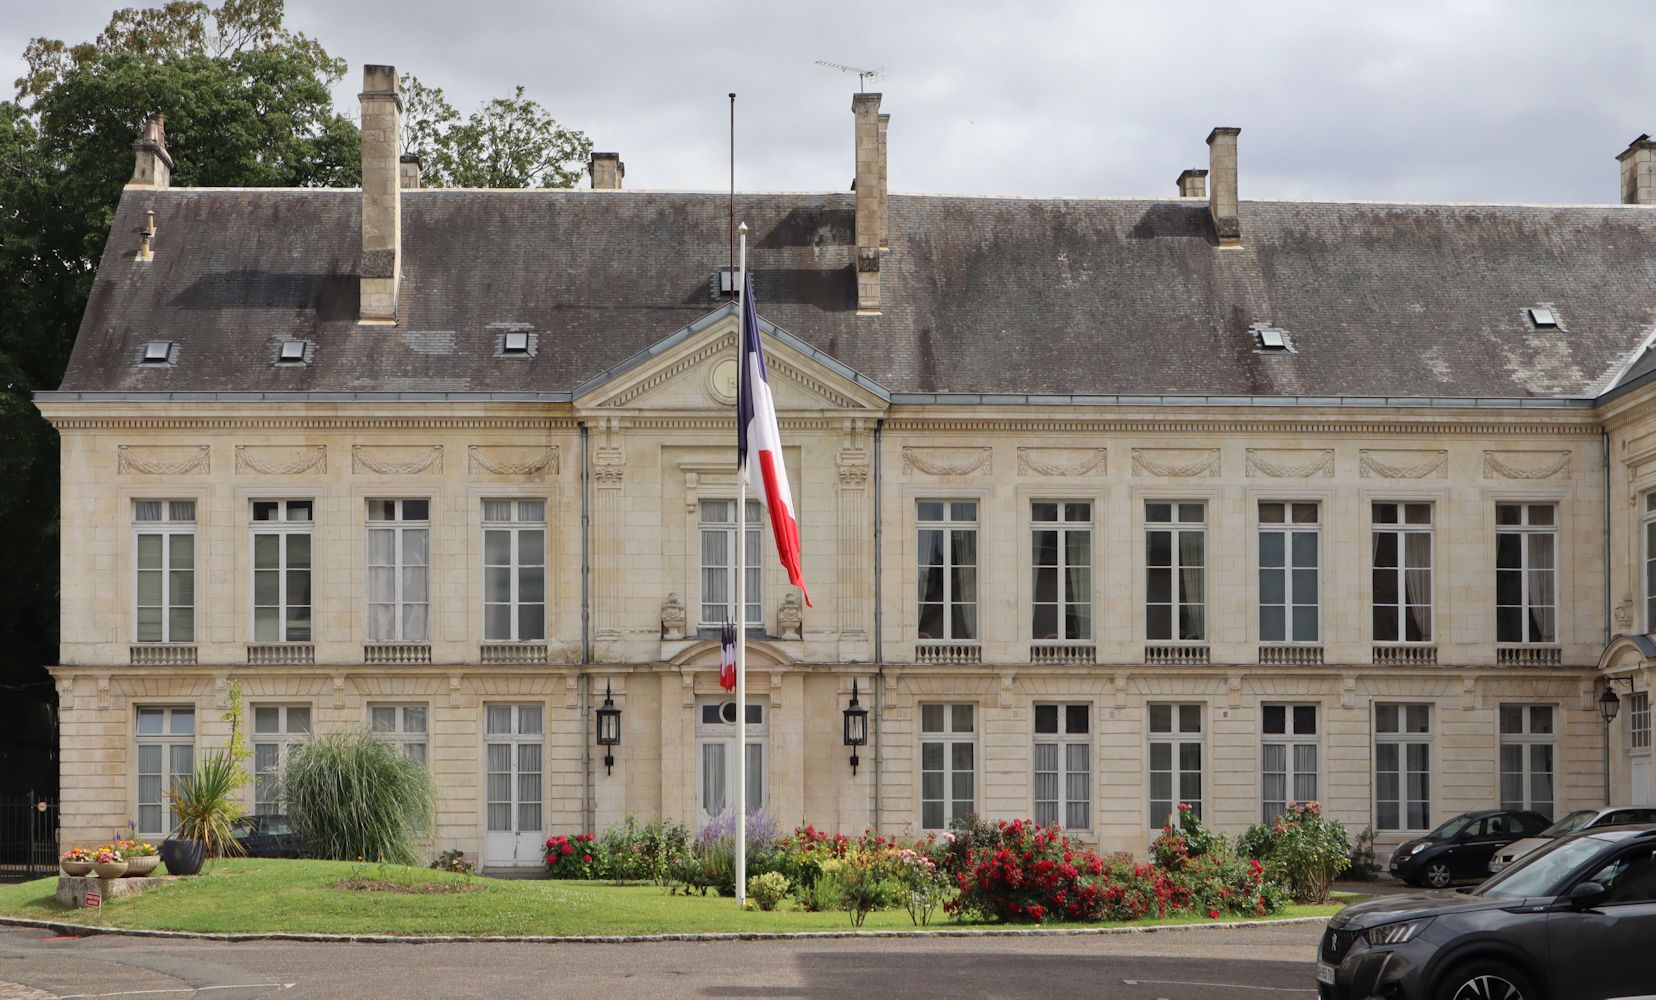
{"type": "Point", "coordinates": [510, 142]}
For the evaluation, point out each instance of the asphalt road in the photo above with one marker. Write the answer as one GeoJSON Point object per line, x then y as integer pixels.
{"type": "Point", "coordinates": [1197, 964]}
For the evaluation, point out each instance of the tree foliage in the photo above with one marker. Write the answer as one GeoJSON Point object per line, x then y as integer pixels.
{"type": "Point", "coordinates": [510, 142]}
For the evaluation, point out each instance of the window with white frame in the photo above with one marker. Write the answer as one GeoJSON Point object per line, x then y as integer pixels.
{"type": "Point", "coordinates": [402, 725]}
{"type": "Point", "coordinates": [1061, 550]}
{"type": "Point", "coordinates": [277, 729]}
{"type": "Point", "coordinates": [1063, 766]}
{"type": "Point", "coordinates": [1638, 722]}
{"type": "Point", "coordinates": [716, 753]}
{"type": "Point", "coordinates": [948, 764]}
{"type": "Point", "coordinates": [1650, 561]}
{"type": "Point", "coordinates": [282, 570]}
{"type": "Point", "coordinates": [1289, 757]}
{"type": "Point", "coordinates": [1526, 572]}
{"type": "Point", "coordinates": [1175, 559]}
{"type": "Point", "coordinates": [514, 570]}
{"type": "Point", "coordinates": [1175, 762]}
{"type": "Point", "coordinates": [1527, 754]}
{"type": "Point", "coordinates": [718, 564]}
{"type": "Point", "coordinates": [165, 570]}
{"type": "Point", "coordinates": [1402, 565]}
{"type": "Point", "coordinates": [165, 737]}
{"type": "Point", "coordinates": [399, 567]}
{"type": "Point", "coordinates": [948, 566]}
{"type": "Point", "coordinates": [1402, 767]}
{"type": "Point", "coordinates": [1290, 562]}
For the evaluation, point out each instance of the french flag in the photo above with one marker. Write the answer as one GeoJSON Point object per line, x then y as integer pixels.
{"type": "Point", "coordinates": [759, 443]}
{"type": "Point", "coordinates": [727, 657]}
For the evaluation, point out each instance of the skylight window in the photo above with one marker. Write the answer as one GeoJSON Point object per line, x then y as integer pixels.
{"type": "Point", "coordinates": [158, 352]}
{"type": "Point", "coordinates": [516, 342]}
{"type": "Point", "coordinates": [292, 353]}
{"type": "Point", "coordinates": [1272, 340]}
{"type": "Point", "coordinates": [1543, 318]}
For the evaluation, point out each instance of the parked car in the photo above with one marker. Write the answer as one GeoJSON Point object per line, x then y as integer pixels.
{"type": "Point", "coordinates": [1581, 819]}
{"type": "Point", "coordinates": [1568, 921]}
{"type": "Point", "coordinates": [269, 836]}
{"type": "Point", "coordinates": [1462, 847]}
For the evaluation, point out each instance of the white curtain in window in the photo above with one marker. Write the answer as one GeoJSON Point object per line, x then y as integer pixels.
{"type": "Point", "coordinates": [713, 778]}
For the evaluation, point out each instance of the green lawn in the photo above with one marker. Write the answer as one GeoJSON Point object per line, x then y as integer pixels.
{"type": "Point", "coordinates": [260, 896]}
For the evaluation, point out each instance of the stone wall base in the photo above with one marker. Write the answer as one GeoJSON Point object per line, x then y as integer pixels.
{"type": "Point", "coordinates": [72, 889]}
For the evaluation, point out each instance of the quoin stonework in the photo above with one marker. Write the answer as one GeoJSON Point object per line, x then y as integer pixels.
{"type": "Point", "coordinates": [1107, 504]}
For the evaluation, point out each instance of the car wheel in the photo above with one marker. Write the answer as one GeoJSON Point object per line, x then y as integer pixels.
{"type": "Point", "coordinates": [1487, 980]}
{"type": "Point", "coordinates": [1438, 874]}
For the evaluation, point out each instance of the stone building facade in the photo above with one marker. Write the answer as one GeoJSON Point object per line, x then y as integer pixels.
{"type": "Point", "coordinates": [1105, 504]}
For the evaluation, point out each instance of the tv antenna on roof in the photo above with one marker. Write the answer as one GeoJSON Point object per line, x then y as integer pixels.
{"type": "Point", "coordinates": [864, 76]}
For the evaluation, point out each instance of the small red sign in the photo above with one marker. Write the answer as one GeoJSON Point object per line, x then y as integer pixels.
{"type": "Point", "coordinates": [94, 899]}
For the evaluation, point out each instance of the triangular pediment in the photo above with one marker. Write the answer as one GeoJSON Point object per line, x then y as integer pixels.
{"type": "Point", "coordinates": [694, 369]}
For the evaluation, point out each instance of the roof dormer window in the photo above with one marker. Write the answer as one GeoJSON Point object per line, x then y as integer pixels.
{"type": "Point", "coordinates": [1271, 340]}
{"type": "Point", "coordinates": [291, 352]}
{"type": "Point", "coordinates": [158, 352]}
{"type": "Point", "coordinates": [1543, 317]}
{"type": "Point", "coordinates": [516, 342]}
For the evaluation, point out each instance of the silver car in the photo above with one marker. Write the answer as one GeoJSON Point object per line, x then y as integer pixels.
{"type": "Point", "coordinates": [1581, 819]}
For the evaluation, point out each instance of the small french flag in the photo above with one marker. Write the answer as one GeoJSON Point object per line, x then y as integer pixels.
{"type": "Point", "coordinates": [759, 444]}
{"type": "Point", "coordinates": [727, 657]}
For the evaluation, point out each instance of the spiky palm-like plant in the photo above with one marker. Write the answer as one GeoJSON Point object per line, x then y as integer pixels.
{"type": "Point", "coordinates": [206, 807]}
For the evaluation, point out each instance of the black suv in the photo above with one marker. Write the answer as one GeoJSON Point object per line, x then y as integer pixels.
{"type": "Point", "coordinates": [269, 836]}
{"type": "Point", "coordinates": [1462, 847]}
{"type": "Point", "coordinates": [1570, 921]}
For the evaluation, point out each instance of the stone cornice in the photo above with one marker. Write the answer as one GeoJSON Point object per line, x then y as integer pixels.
{"type": "Point", "coordinates": [1447, 428]}
{"type": "Point", "coordinates": [317, 423]}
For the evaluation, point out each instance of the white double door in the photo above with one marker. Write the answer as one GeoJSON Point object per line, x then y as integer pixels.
{"type": "Point", "coordinates": [716, 759]}
{"type": "Point", "coordinates": [1638, 769]}
{"type": "Point", "coordinates": [514, 781]}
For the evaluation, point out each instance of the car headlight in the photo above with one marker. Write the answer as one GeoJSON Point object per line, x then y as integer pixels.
{"type": "Point", "coordinates": [1397, 933]}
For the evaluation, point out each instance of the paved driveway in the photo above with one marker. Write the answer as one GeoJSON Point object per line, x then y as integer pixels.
{"type": "Point", "coordinates": [1198, 964]}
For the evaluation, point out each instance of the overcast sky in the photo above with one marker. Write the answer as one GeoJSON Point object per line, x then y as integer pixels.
{"type": "Point", "coordinates": [1441, 100]}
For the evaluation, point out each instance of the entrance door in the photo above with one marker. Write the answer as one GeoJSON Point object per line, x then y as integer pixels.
{"type": "Point", "coordinates": [513, 758]}
{"type": "Point", "coordinates": [716, 759]}
{"type": "Point", "coordinates": [1638, 768]}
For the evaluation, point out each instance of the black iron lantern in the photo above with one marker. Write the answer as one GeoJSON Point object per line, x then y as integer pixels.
{"type": "Point", "coordinates": [609, 728]}
{"type": "Point", "coordinates": [1608, 704]}
{"type": "Point", "coordinates": [856, 726]}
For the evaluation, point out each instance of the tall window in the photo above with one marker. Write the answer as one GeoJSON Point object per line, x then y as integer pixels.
{"type": "Point", "coordinates": [1289, 764]}
{"type": "Point", "coordinates": [1402, 767]}
{"type": "Point", "coordinates": [716, 745]}
{"type": "Point", "coordinates": [1175, 546]}
{"type": "Point", "coordinates": [166, 753]}
{"type": "Point", "coordinates": [948, 764]}
{"type": "Point", "coordinates": [399, 564]}
{"type": "Point", "coordinates": [1061, 547]}
{"type": "Point", "coordinates": [1526, 572]}
{"type": "Point", "coordinates": [1063, 766]}
{"type": "Point", "coordinates": [277, 729]}
{"type": "Point", "coordinates": [165, 531]}
{"type": "Point", "coordinates": [948, 569]}
{"type": "Point", "coordinates": [281, 571]}
{"type": "Point", "coordinates": [718, 563]}
{"type": "Point", "coordinates": [1403, 572]}
{"type": "Point", "coordinates": [1175, 761]}
{"type": "Point", "coordinates": [1527, 751]}
{"type": "Point", "coordinates": [403, 725]}
{"type": "Point", "coordinates": [514, 570]}
{"type": "Point", "coordinates": [1289, 564]}
{"type": "Point", "coordinates": [1638, 721]}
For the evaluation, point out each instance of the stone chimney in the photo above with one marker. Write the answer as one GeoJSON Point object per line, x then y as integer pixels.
{"type": "Point", "coordinates": [870, 188]}
{"type": "Point", "coordinates": [408, 171]}
{"type": "Point", "coordinates": [1638, 172]}
{"type": "Point", "coordinates": [154, 166]}
{"type": "Point", "coordinates": [381, 265]}
{"type": "Point", "coordinates": [1193, 184]}
{"type": "Point", "coordinates": [607, 171]}
{"type": "Point", "coordinates": [1222, 185]}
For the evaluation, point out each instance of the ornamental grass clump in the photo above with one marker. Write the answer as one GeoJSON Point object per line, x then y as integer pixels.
{"type": "Point", "coordinates": [353, 795]}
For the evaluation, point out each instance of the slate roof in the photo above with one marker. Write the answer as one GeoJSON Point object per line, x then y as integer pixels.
{"type": "Point", "coordinates": [981, 295]}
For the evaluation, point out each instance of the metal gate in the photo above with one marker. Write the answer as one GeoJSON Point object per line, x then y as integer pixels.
{"type": "Point", "coordinates": [28, 839]}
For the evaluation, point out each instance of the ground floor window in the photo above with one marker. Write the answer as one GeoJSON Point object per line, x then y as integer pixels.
{"type": "Point", "coordinates": [277, 729]}
{"type": "Point", "coordinates": [514, 760]}
{"type": "Point", "coordinates": [402, 725]}
{"type": "Point", "coordinates": [1289, 751]}
{"type": "Point", "coordinates": [165, 753]}
{"type": "Point", "coordinates": [1402, 767]}
{"type": "Point", "coordinates": [1527, 752]}
{"type": "Point", "coordinates": [948, 764]}
{"type": "Point", "coordinates": [716, 757]}
{"type": "Point", "coordinates": [1175, 761]}
{"type": "Point", "coordinates": [1063, 766]}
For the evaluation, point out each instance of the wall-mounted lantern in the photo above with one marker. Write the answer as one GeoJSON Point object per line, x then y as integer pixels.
{"type": "Point", "coordinates": [856, 726]}
{"type": "Point", "coordinates": [609, 728]}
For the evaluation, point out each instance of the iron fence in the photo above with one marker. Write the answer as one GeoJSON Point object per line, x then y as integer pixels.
{"type": "Point", "coordinates": [28, 838]}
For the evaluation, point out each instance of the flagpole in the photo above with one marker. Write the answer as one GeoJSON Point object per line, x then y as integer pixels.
{"type": "Point", "coordinates": [741, 599]}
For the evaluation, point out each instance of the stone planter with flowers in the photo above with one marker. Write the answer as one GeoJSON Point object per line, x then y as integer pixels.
{"type": "Point", "coordinates": [76, 861]}
{"type": "Point", "coordinates": [108, 862]}
{"type": "Point", "coordinates": [141, 857]}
